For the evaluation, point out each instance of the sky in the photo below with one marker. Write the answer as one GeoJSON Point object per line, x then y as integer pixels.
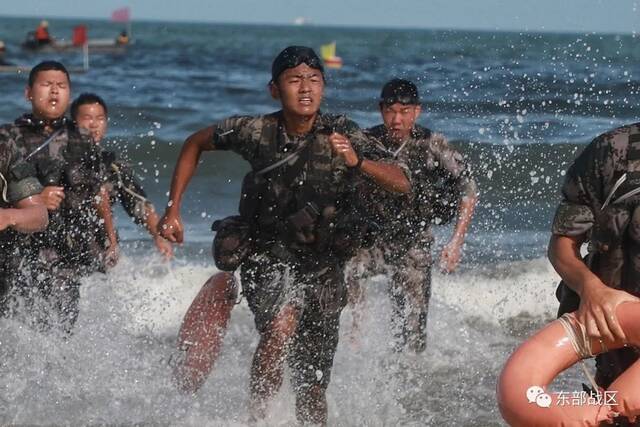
{"type": "Point", "coordinates": [608, 16]}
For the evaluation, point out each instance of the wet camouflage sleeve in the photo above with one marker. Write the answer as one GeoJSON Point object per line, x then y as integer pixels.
{"type": "Point", "coordinates": [15, 183]}
{"type": "Point", "coordinates": [129, 191]}
{"type": "Point", "coordinates": [453, 162]}
{"type": "Point", "coordinates": [369, 148]}
{"type": "Point", "coordinates": [240, 134]}
{"type": "Point", "coordinates": [581, 192]}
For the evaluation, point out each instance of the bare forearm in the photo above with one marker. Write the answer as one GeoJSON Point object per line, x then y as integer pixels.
{"type": "Point", "coordinates": [388, 176]}
{"type": "Point", "coordinates": [151, 220]}
{"type": "Point", "coordinates": [29, 216]}
{"type": "Point", "coordinates": [103, 207]}
{"type": "Point", "coordinates": [465, 213]}
{"type": "Point", "coordinates": [187, 163]}
{"type": "Point", "coordinates": [564, 254]}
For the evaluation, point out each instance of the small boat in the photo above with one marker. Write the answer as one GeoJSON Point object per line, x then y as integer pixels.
{"type": "Point", "coordinates": [24, 69]}
{"type": "Point", "coordinates": [300, 20]}
{"type": "Point", "coordinates": [7, 68]}
{"type": "Point", "coordinates": [328, 53]}
{"type": "Point", "coordinates": [81, 41]}
{"type": "Point", "coordinates": [77, 44]}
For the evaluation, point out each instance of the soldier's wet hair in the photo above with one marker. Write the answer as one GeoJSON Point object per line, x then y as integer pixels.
{"type": "Point", "coordinates": [293, 56]}
{"type": "Point", "coordinates": [85, 99]}
{"type": "Point", "coordinates": [399, 91]}
{"type": "Point", "coordinates": [47, 66]}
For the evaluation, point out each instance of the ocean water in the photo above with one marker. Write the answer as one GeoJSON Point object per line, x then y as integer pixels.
{"type": "Point", "coordinates": [519, 106]}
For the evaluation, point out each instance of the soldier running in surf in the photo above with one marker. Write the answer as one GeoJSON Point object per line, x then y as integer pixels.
{"type": "Point", "coordinates": [295, 219]}
{"type": "Point", "coordinates": [442, 190]}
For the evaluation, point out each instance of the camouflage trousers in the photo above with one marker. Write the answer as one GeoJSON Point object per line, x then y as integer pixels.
{"type": "Point", "coordinates": [408, 263]}
{"type": "Point", "coordinates": [42, 291]}
{"type": "Point", "coordinates": [610, 366]}
{"type": "Point", "coordinates": [319, 296]}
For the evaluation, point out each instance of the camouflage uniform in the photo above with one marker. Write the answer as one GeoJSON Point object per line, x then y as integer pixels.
{"type": "Point", "coordinates": [405, 239]}
{"type": "Point", "coordinates": [16, 183]}
{"type": "Point", "coordinates": [613, 232]}
{"type": "Point", "coordinates": [300, 230]}
{"type": "Point", "coordinates": [123, 186]}
{"type": "Point", "coordinates": [46, 267]}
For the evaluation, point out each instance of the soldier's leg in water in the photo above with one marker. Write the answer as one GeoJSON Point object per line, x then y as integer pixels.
{"type": "Point", "coordinates": [414, 279]}
{"type": "Point", "coordinates": [356, 272]}
{"type": "Point", "coordinates": [267, 367]}
{"type": "Point", "coordinates": [65, 298]}
{"type": "Point", "coordinates": [394, 256]}
{"type": "Point", "coordinates": [203, 330]}
{"type": "Point", "coordinates": [271, 290]}
{"type": "Point", "coordinates": [4, 289]}
{"type": "Point", "coordinates": [47, 293]}
{"type": "Point", "coordinates": [311, 360]}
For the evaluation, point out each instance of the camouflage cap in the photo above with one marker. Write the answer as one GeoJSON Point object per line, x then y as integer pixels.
{"type": "Point", "coordinates": [293, 56]}
{"type": "Point", "coordinates": [399, 91]}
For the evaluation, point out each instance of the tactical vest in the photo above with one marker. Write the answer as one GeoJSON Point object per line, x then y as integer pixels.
{"type": "Point", "coordinates": [436, 194]}
{"type": "Point", "coordinates": [298, 210]}
{"type": "Point", "coordinates": [72, 162]}
{"type": "Point", "coordinates": [300, 203]}
{"type": "Point", "coordinates": [434, 198]}
{"type": "Point", "coordinates": [616, 229]}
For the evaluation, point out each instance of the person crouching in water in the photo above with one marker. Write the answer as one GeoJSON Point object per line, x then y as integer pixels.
{"type": "Point", "coordinates": [303, 166]}
{"type": "Point", "coordinates": [89, 111]}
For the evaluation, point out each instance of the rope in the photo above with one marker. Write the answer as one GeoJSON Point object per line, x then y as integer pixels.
{"type": "Point", "coordinates": [581, 343]}
{"type": "Point", "coordinates": [124, 187]}
{"type": "Point", "coordinates": [4, 188]}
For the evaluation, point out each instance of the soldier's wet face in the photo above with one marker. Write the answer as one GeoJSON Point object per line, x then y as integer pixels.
{"type": "Point", "coordinates": [399, 119]}
{"type": "Point", "coordinates": [93, 118]}
{"type": "Point", "coordinates": [300, 90]}
{"type": "Point", "coordinates": [49, 95]}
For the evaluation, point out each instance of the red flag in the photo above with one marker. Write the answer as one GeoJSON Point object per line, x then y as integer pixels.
{"type": "Point", "coordinates": [121, 15]}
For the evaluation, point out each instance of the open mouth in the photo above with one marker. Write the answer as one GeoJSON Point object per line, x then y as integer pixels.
{"type": "Point", "coordinates": [305, 101]}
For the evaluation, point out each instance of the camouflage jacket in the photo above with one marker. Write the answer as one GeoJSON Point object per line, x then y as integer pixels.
{"type": "Point", "coordinates": [17, 182]}
{"type": "Point", "coordinates": [305, 202]}
{"type": "Point", "coordinates": [124, 187]}
{"type": "Point", "coordinates": [439, 174]}
{"type": "Point", "coordinates": [593, 206]}
{"type": "Point", "coordinates": [70, 160]}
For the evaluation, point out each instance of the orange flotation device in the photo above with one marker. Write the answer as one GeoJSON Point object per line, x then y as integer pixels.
{"type": "Point", "coordinates": [522, 393]}
{"type": "Point", "coordinates": [202, 331]}
{"type": "Point", "coordinates": [42, 34]}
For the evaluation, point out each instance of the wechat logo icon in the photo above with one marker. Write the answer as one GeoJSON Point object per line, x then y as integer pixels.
{"type": "Point", "coordinates": [536, 394]}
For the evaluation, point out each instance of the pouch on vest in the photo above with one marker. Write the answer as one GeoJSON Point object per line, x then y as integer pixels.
{"type": "Point", "coordinates": [353, 232]}
{"type": "Point", "coordinates": [232, 243]}
{"type": "Point", "coordinates": [253, 187]}
{"type": "Point", "coordinates": [437, 199]}
{"type": "Point", "coordinates": [302, 224]}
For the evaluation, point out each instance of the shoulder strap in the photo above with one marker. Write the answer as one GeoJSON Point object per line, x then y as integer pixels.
{"type": "Point", "coordinates": [631, 177]}
{"type": "Point", "coordinates": [45, 143]}
{"type": "Point", "coordinates": [283, 161]}
{"type": "Point", "coordinates": [269, 152]}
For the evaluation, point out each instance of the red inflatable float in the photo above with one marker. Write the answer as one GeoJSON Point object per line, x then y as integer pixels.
{"type": "Point", "coordinates": [203, 329]}
{"type": "Point", "coordinates": [522, 387]}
